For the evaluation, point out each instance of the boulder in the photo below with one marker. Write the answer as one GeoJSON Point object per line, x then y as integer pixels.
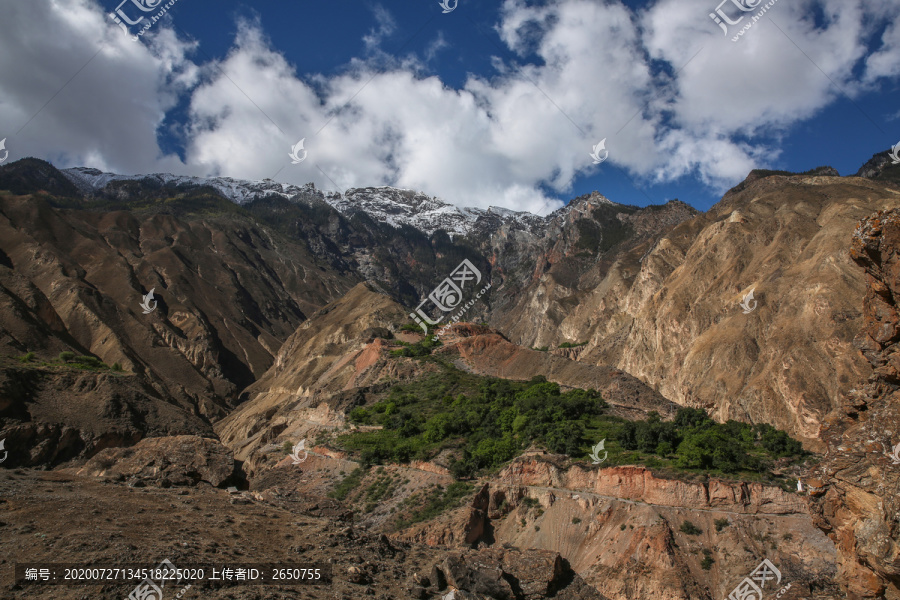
{"type": "Point", "coordinates": [182, 460]}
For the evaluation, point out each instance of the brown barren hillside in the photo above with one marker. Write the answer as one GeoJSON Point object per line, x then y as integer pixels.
{"type": "Point", "coordinates": [229, 291]}
{"type": "Point", "coordinates": [668, 313]}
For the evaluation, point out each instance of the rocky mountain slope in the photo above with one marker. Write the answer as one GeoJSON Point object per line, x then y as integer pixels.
{"type": "Point", "coordinates": [200, 524]}
{"type": "Point", "coordinates": [670, 314]}
{"type": "Point", "coordinates": [622, 529]}
{"type": "Point", "coordinates": [341, 358]}
{"type": "Point", "coordinates": [860, 471]}
{"type": "Point", "coordinates": [654, 292]}
{"type": "Point", "coordinates": [264, 334]}
{"type": "Point", "coordinates": [227, 291]}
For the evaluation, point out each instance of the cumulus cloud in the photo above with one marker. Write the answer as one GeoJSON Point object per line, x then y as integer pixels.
{"type": "Point", "coordinates": [672, 96]}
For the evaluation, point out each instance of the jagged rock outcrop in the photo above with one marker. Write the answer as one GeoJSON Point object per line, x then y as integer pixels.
{"type": "Point", "coordinates": [639, 484]}
{"type": "Point", "coordinates": [882, 167]}
{"type": "Point", "coordinates": [623, 529]}
{"type": "Point", "coordinates": [183, 460]}
{"type": "Point", "coordinates": [500, 574]}
{"type": "Point", "coordinates": [53, 414]}
{"type": "Point", "coordinates": [861, 474]}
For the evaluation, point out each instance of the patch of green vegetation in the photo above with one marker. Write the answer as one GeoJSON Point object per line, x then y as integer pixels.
{"type": "Point", "coordinates": [437, 502]}
{"type": "Point", "coordinates": [575, 520]}
{"type": "Point", "coordinates": [422, 348]}
{"type": "Point", "coordinates": [150, 196]}
{"type": "Point", "coordinates": [689, 528]}
{"type": "Point", "coordinates": [486, 422]}
{"type": "Point", "coordinates": [27, 358]}
{"type": "Point", "coordinates": [603, 230]}
{"type": "Point", "coordinates": [721, 524]}
{"type": "Point", "coordinates": [571, 345]}
{"type": "Point", "coordinates": [348, 484]}
{"type": "Point", "coordinates": [707, 561]}
{"type": "Point", "coordinates": [494, 422]}
{"type": "Point", "coordinates": [701, 443]}
{"type": "Point", "coordinates": [589, 235]}
{"type": "Point", "coordinates": [91, 363]}
{"type": "Point", "coordinates": [541, 349]}
{"type": "Point", "coordinates": [287, 447]}
{"type": "Point", "coordinates": [530, 502]}
{"type": "Point", "coordinates": [382, 487]}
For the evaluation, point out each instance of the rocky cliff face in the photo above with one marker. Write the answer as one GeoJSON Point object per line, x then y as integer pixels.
{"type": "Point", "coordinates": [669, 312]}
{"type": "Point", "coordinates": [324, 369]}
{"type": "Point", "coordinates": [859, 509]}
{"type": "Point", "coordinates": [623, 529]}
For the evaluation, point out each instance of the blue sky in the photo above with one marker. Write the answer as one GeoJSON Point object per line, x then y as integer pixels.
{"type": "Point", "coordinates": [491, 104]}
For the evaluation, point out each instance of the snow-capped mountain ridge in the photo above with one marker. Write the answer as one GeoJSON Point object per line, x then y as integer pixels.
{"type": "Point", "coordinates": [394, 206]}
{"type": "Point", "coordinates": [237, 190]}
{"type": "Point", "coordinates": [390, 205]}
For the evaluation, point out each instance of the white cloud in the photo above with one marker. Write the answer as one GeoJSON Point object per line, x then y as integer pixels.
{"type": "Point", "coordinates": [667, 110]}
{"type": "Point", "coordinates": [386, 26]}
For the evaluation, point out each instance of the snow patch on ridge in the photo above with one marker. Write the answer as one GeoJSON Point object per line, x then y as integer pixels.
{"type": "Point", "coordinates": [394, 206]}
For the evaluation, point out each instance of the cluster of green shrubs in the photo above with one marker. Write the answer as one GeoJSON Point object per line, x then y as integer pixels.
{"type": "Point", "coordinates": [437, 501]}
{"type": "Point", "coordinates": [348, 484]}
{"type": "Point", "coordinates": [496, 423]}
{"type": "Point", "coordinates": [689, 528]}
{"type": "Point", "coordinates": [86, 362]}
{"type": "Point", "coordinates": [698, 442]}
{"type": "Point", "coordinates": [70, 358]}
{"type": "Point", "coordinates": [571, 345]}
{"type": "Point", "coordinates": [422, 348]}
{"type": "Point", "coordinates": [486, 422]}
